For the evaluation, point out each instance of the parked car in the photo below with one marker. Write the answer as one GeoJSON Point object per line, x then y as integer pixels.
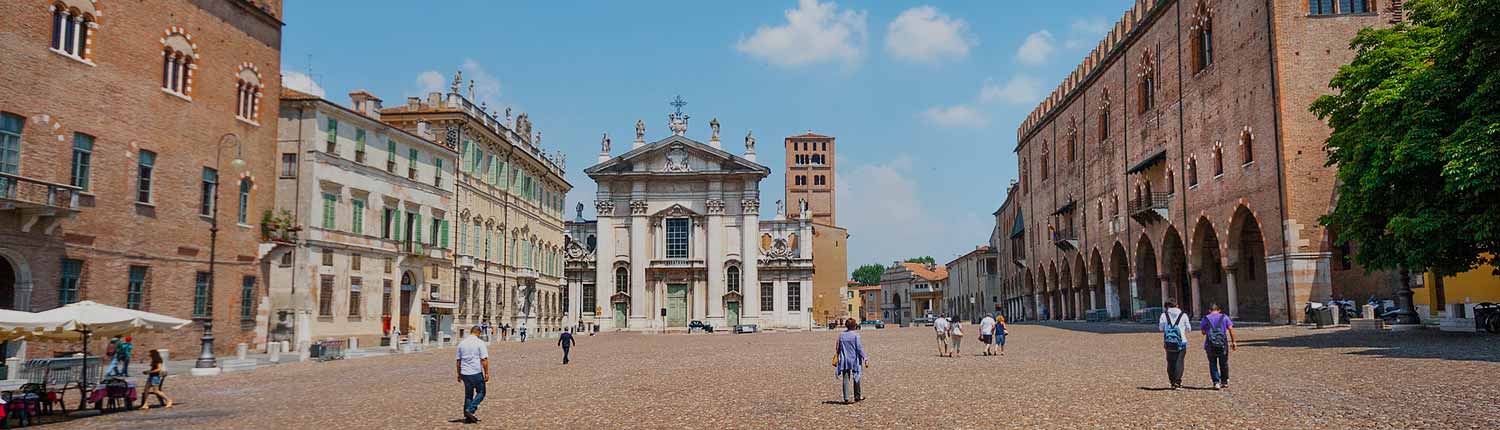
{"type": "Point", "coordinates": [700, 325]}
{"type": "Point", "coordinates": [745, 328]}
{"type": "Point", "coordinates": [873, 323]}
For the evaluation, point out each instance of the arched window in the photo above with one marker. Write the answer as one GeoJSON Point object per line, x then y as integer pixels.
{"type": "Point", "coordinates": [732, 279]}
{"type": "Point", "coordinates": [622, 280]}
{"type": "Point", "coordinates": [244, 212]}
{"type": "Point", "coordinates": [1046, 153]}
{"type": "Point", "coordinates": [178, 62]}
{"type": "Point", "coordinates": [1073, 141]}
{"type": "Point", "coordinates": [1192, 172]}
{"type": "Point", "coordinates": [1147, 85]}
{"type": "Point", "coordinates": [1218, 160]}
{"type": "Point", "coordinates": [73, 26]}
{"type": "Point", "coordinates": [247, 93]}
{"type": "Point", "coordinates": [1203, 36]}
{"type": "Point", "coordinates": [1171, 183]}
{"type": "Point", "coordinates": [1247, 143]}
{"type": "Point", "coordinates": [1104, 116]}
{"type": "Point", "coordinates": [1100, 210]}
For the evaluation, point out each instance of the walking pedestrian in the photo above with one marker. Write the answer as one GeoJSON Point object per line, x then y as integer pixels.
{"type": "Point", "coordinates": [849, 358]}
{"type": "Point", "coordinates": [154, 379]}
{"type": "Point", "coordinates": [1001, 332]}
{"type": "Point", "coordinates": [956, 334]}
{"type": "Point", "coordinates": [523, 332]}
{"type": "Point", "coordinates": [1175, 325]}
{"type": "Point", "coordinates": [565, 340]}
{"type": "Point", "coordinates": [940, 325]}
{"type": "Point", "coordinates": [1218, 341]}
{"type": "Point", "coordinates": [122, 353]}
{"type": "Point", "coordinates": [504, 328]}
{"type": "Point", "coordinates": [114, 360]}
{"type": "Point", "coordinates": [473, 371]}
{"type": "Point", "coordinates": [986, 334]}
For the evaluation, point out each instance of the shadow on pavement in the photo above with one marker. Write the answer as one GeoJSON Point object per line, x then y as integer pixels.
{"type": "Point", "coordinates": [1431, 344]}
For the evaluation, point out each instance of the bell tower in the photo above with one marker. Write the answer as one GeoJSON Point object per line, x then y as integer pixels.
{"type": "Point", "coordinates": [810, 177]}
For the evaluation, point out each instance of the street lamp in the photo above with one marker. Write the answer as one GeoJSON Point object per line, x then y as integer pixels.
{"type": "Point", "coordinates": [207, 364]}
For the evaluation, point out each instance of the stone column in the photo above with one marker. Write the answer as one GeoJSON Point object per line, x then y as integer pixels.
{"type": "Point", "coordinates": [1234, 302]}
{"type": "Point", "coordinates": [714, 257]}
{"type": "Point", "coordinates": [1111, 299]}
{"type": "Point", "coordinates": [1166, 287]}
{"type": "Point", "coordinates": [750, 253]}
{"type": "Point", "coordinates": [1093, 296]}
{"type": "Point", "coordinates": [638, 261]}
{"type": "Point", "coordinates": [604, 268]}
{"type": "Point", "coordinates": [1197, 279]}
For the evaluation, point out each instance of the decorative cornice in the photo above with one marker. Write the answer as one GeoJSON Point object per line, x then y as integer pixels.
{"type": "Point", "coordinates": [750, 206]}
{"type": "Point", "coordinates": [638, 207]}
{"type": "Point", "coordinates": [604, 207]}
{"type": "Point", "coordinates": [715, 206]}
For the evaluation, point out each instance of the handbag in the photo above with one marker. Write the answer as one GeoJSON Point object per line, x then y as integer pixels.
{"type": "Point", "coordinates": [835, 360]}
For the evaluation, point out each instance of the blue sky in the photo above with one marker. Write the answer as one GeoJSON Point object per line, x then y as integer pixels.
{"type": "Point", "coordinates": [924, 98]}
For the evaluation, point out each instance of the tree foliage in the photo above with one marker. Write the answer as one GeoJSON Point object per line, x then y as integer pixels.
{"type": "Point", "coordinates": [1416, 139]}
{"type": "Point", "coordinates": [868, 274]}
{"type": "Point", "coordinates": [925, 259]}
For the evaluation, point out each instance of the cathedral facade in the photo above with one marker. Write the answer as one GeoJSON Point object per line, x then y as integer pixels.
{"type": "Point", "coordinates": [679, 238]}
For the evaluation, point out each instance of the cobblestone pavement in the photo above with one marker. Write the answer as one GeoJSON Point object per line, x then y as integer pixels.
{"type": "Point", "coordinates": [1066, 375]}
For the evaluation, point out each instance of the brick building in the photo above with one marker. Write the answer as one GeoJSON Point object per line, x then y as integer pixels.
{"type": "Point", "coordinates": [113, 115]}
{"type": "Point", "coordinates": [1179, 162]}
{"type": "Point", "coordinates": [810, 177]}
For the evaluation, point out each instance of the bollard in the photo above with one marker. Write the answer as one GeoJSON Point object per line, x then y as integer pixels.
{"type": "Point", "coordinates": [275, 350]}
{"type": "Point", "coordinates": [304, 350]}
{"type": "Point", "coordinates": [164, 353]}
{"type": "Point", "coordinates": [241, 351]}
{"type": "Point", "coordinates": [353, 343]}
{"type": "Point", "coordinates": [1369, 312]}
{"type": "Point", "coordinates": [13, 368]}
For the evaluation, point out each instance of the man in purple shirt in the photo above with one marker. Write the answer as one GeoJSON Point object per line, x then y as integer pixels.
{"type": "Point", "coordinates": [1218, 340]}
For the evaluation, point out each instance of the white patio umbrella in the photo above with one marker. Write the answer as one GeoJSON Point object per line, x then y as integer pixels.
{"type": "Point", "coordinates": [16, 324]}
{"type": "Point", "coordinates": [87, 318]}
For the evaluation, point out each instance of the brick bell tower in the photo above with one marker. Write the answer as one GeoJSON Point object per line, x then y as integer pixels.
{"type": "Point", "coordinates": [810, 176]}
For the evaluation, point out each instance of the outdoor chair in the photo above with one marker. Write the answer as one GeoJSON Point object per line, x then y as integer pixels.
{"type": "Point", "coordinates": [44, 399]}
{"type": "Point", "coordinates": [116, 395]}
{"type": "Point", "coordinates": [19, 405]}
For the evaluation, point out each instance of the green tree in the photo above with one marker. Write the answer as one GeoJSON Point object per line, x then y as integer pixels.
{"type": "Point", "coordinates": [868, 274]}
{"type": "Point", "coordinates": [926, 259]}
{"type": "Point", "coordinates": [1416, 139]}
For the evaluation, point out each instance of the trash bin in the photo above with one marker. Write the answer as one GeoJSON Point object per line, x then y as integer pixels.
{"type": "Point", "coordinates": [1323, 316]}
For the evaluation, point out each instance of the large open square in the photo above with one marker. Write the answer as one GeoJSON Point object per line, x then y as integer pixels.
{"type": "Point", "coordinates": [1064, 375]}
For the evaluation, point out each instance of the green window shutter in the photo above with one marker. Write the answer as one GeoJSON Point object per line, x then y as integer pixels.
{"type": "Point", "coordinates": [359, 217]}
{"type": "Point", "coordinates": [416, 232]}
{"type": "Point", "coordinates": [333, 130]}
{"type": "Point", "coordinates": [390, 150]}
{"type": "Point", "coordinates": [463, 156]}
{"type": "Point", "coordinates": [443, 228]}
{"type": "Point", "coordinates": [399, 226]}
{"type": "Point", "coordinates": [329, 202]}
{"type": "Point", "coordinates": [385, 224]}
{"type": "Point", "coordinates": [359, 139]}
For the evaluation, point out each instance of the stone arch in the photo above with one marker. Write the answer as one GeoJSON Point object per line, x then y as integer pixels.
{"type": "Point", "coordinates": [1083, 293]}
{"type": "Point", "coordinates": [1066, 289]}
{"type": "Point", "coordinates": [1246, 264]}
{"type": "Point", "coordinates": [1097, 275]}
{"type": "Point", "coordinates": [15, 281]}
{"type": "Point", "coordinates": [1146, 282]}
{"type": "Point", "coordinates": [1174, 268]}
{"type": "Point", "coordinates": [1119, 273]}
{"type": "Point", "coordinates": [1207, 267]}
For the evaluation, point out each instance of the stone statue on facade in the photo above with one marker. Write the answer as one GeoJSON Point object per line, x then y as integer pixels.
{"type": "Point", "coordinates": [749, 141]}
{"type": "Point", "coordinates": [507, 116]}
{"type": "Point", "coordinates": [780, 208]}
{"type": "Point", "coordinates": [458, 79]}
{"type": "Point", "coordinates": [604, 144]}
{"type": "Point", "coordinates": [801, 206]}
{"type": "Point", "coordinates": [640, 131]}
{"type": "Point", "coordinates": [713, 124]}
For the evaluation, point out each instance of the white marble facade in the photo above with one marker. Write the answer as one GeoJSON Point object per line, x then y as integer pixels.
{"type": "Point", "coordinates": [679, 238]}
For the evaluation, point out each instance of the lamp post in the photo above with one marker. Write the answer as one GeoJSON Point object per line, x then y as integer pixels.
{"type": "Point", "coordinates": [207, 364]}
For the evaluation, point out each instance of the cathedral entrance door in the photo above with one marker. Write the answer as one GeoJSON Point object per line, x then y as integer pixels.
{"type": "Point", "coordinates": [677, 304]}
{"type": "Point", "coordinates": [732, 317]}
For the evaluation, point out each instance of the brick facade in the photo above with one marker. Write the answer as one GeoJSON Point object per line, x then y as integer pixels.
{"type": "Point", "coordinates": [115, 93]}
{"type": "Point", "coordinates": [1152, 174]}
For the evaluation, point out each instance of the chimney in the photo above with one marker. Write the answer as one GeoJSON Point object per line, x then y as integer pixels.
{"type": "Point", "coordinates": [434, 99]}
{"type": "Point", "coordinates": [413, 103]}
{"type": "Point", "coordinates": [365, 103]}
{"type": "Point", "coordinates": [425, 130]}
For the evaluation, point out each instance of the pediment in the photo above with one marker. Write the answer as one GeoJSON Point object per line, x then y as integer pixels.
{"type": "Point", "coordinates": [677, 155]}
{"type": "Point", "coordinates": [676, 211]}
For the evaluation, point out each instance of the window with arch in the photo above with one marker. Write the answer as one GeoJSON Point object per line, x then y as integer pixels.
{"type": "Point", "coordinates": [1171, 182]}
{"type": "Point", "coordinates": [247, 94]}
{"type": "Point", "coordinates": [1202, 30]}
{"type": "Point", "coordinates": [1114, 205]}
{"type": "Point", "coordinates": [73, 27]}
{"type": "Point", "coordinates": [1218, 160]}
{"type": "Point", "coordinates": [1147, 85]}
{"type": "Point", "coordinates": [244, 202]}
{"type": "Point", "coordinates": [1046, 153]}
{"type": "Point", "coordinates": [178, 62]}
{"type": "Point", "coordinates": [1025, 171]}
{"type": "Point", "coordinates": [622, 280]}
{"type": "Point", "coordinates": [1100, 210]}
{"type": "Point", "coordinates": [1073, 144]}
{"type": "Point", "coordinates": [1104, 116]}
{"type": "Point", "coordinates": [1247, 143]}
{"type": "Point", "coordinates": [1192, 172]}
{"type": "Point", "coordinates": [732, 279]}
{"type": "Point", "coordinates": [1337, 7]}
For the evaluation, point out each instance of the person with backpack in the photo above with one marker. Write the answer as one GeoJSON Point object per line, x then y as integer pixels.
{"type": "Point", "coordinates": [122, 352]}
{"type": "Point", "coordinates": [1218, 340]}
{"type": "Point", "coordinates": [1175, 325]}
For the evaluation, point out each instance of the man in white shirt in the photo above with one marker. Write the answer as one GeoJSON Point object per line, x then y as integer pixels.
{"type": "Point", "coordinates": [941, 326]}
{"type": "Point", "coordinates": [473, 371]}
{"type": "Point", "coordinates": [1175, 319]}
{"type": "Point", "coordinates": [986, 333]}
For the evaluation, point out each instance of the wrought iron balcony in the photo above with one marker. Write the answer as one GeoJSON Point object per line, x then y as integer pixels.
{"type": "Point", "coordinates": [1150, 208]}
{"type": "Point", "coordinates": [38, 203]}
{"type": "Point", "coordinates": [1065, 239]}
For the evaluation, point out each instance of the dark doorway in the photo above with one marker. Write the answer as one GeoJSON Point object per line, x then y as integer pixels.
{"type": "Point", "coordinates": [7, 284]}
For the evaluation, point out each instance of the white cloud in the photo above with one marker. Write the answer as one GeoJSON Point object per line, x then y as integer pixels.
{"type": "Point", "coordinates": [814, 33]}
{"type": "Point", "coordinates": [486, 86]}
{"type": "Point", "coordinates": [924, 35]}
{"type": "Point", "coordinates": [890, 217]}
{"type": "Point", "coordinates": [954, 116]}
{"type": "Point", "coordinates": [1037, 49]}
{"type": "Point", "coordinates": [1018, 90]}
{"type": "Point", "coordinates": [1085, 32]}
{"type": "Point", "coordinates": [301, 82]}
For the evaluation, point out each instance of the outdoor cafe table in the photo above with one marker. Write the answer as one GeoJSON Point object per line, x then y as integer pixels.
{"type": "Point", "coordinates": [100, 394]}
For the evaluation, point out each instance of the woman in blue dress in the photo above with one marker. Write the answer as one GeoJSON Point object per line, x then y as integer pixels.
{"type": "Point", "coordinates": [849, 358]}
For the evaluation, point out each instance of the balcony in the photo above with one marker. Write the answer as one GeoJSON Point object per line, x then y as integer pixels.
{"type": "Point", "coordinates": [422, 250]}
{"type": "Point", "coordinates": [1149, 209]}
{"type": "Point", "coordinates": [466, 262]}
{"type": "Point", "coordinates": [678, 263]}
{"type": "Point", "coordinates": [1065, 239]}
{"type": "Point", "coordinates": [38, 204]}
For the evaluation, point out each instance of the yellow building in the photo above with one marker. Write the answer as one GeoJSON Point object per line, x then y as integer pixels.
{"type": "Point", "coordinates": [1475, 286]}
{"type": "Point", "coordinates": [830, 272]}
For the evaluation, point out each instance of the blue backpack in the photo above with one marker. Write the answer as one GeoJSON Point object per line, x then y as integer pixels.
{"type": "Point", "coordinates": [1172, 336]}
